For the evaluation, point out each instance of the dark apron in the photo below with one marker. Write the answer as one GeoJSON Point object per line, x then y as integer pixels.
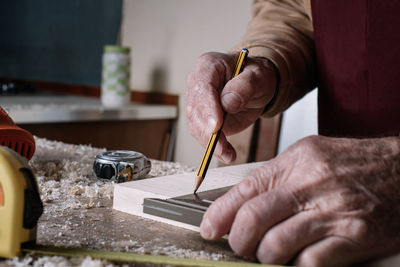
{"type": "Point", "coordinates": [358, 56]}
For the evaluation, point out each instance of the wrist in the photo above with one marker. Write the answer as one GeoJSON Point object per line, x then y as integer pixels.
{"type": "Point", "coordinates": [277, 84]}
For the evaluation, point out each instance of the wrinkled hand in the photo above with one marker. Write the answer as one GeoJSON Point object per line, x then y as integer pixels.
{"type": "Point", "coordinates": [323, 202]}
{"type": "Point", "coordinates": [211, 91]}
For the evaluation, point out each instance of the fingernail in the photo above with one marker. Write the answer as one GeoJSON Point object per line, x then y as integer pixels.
{"type": "Point", "coordinates": [231, 102]}
{"type": "Point", "coordinates": [211, 123]}
{"type": "Point", "coordinates": [206, 229]}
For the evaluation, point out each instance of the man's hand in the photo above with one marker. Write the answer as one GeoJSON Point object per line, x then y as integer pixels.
{"type": "Point", "coordinates": [212, 91]}
{"type": "Point", "coordinates": [323, 202]}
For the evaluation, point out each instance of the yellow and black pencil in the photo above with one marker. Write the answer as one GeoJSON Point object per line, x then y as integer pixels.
{"type": "Point", "coordinates": [201, 173]}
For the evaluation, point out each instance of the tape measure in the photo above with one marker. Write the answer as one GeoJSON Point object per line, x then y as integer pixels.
{"type": "Point", "coordinates": [131, 257]}
{"type": "Point", "coordinates": [21, 207]}
{"type": "Point", "coordinates": [20, 204]}
{"type": "Point", "coordinates": [121, 166]}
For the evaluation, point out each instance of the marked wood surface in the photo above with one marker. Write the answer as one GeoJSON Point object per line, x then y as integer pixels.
{"type": "Point", "coordinates": [128, 197]}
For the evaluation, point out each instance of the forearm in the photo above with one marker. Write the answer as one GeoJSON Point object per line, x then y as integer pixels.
{"type": "Point", "coordinates": [281, 31]}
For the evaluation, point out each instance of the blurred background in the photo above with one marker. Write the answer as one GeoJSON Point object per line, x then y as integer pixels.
{"type": "Point", "coordinates": [51, 50]}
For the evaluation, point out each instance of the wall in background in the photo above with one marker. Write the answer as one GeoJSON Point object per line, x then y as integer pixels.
{"type": "Point", "coordinates": [57, 40]}
{"type": "Point", "coordinates": [166, 38]}
{"type": "Point", "coordinates": [299, 121]}
{"type": "Point", "coordinates": [63, 41]}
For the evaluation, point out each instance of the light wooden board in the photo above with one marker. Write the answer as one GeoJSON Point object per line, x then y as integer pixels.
{"type": "Point", "coordinates": [128, 197]}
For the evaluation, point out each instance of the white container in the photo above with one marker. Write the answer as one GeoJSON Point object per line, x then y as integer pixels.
{"type": "Point", "coordinates": [115, 91]}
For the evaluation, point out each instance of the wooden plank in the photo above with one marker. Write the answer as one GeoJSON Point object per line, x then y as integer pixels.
{"type": "Point", "coordinates": [128, 197]}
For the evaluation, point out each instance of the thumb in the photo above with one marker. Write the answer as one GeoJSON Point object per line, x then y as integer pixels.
{"type": "Point", "coordinates": [252, 88]}
{"type": "Point", "coordinates": [236, 94]}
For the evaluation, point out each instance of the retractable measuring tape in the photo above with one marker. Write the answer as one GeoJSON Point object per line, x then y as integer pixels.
{"type": "Point", "coordinates": [121, 166]}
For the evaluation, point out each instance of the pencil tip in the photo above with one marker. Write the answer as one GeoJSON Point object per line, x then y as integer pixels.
{"type": "Point", "coordinates": [198, 181]}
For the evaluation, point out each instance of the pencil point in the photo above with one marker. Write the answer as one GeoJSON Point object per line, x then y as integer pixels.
{"type": "Point", "coordinates": [199, 180]}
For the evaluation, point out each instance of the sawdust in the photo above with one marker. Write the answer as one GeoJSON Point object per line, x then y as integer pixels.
{"type": "Point", "coordinates": [57, 261]}
{"type": "Point", "coordinates": [66, 182]}
{"type": "Point", "coordinates": [64, 171]}
{"type": "Point", "coordinates": [166, 249]}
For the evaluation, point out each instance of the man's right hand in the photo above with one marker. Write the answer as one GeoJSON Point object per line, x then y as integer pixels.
{"type": "Point", "coordinates": [211, 91]}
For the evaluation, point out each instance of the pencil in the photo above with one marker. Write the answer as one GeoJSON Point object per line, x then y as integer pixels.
{"type": "Point", "coordinates": [201, 173]}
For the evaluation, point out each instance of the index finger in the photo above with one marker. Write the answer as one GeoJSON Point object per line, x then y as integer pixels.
{"type": "Point", "coordinates": [213, 69]}
{"type": "Point", "coordinates": [203, 107]}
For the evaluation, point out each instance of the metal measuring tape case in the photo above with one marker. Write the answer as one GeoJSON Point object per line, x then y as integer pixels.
{"type": "Point", "coordinates": [121, 166]}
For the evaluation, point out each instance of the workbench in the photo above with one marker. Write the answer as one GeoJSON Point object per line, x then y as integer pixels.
{"type": "Point", "coordinates": [78, 211]}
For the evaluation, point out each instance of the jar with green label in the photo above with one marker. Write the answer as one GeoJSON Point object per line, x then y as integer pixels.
{"type": "Point", "coordinates": [115, 91]}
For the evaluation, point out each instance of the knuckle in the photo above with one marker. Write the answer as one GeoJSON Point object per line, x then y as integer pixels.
{"type": "Point", "coordinates": [252, 78]}
{"type": "Point", "coordinates": [236, 245]}
{"type": "Point", "coordinates": [310, 146]}
{"type": "Point", "coordinates": [214, 211]}
{"type": "Point", "coordinates": [207, 58]}
{"type": "Point", "coordinates": [310, 142]}
{"type": "Point", "coordinates": [265, 256]}
{"type": "Point", "coordinates": [247, 188]}
{"type": "Point", "coordinates": [258, 74]}
{"type": "Point", "coordinates": [249, 214]}
{"type": "Point", "coordinates": [310, 259]}
{"type": "Point", "coordinates": [248, 88]}
{"type": "Point", "coordinates": [266, 176]}
{"type": "Point", "coordinates": [212, 61]}
{"type": "Point", "coordinates": [272, 248]}
{"type": "Point", "coordinates": [203, 89]}
{"type": "Point", "coordinates": [358, 231]}
{"type": "Point", "coordinates": [274, 239]}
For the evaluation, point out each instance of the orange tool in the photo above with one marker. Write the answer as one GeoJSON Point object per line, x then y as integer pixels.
{"type": "Point", "coordinates": [15, 137]}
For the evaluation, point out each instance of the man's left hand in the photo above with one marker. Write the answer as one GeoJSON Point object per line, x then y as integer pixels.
{"type": "Point", "coordinates": [323, 202]}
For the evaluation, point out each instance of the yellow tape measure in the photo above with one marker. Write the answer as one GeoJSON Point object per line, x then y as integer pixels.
{"type": "Point", "coordinates": [131, 257]}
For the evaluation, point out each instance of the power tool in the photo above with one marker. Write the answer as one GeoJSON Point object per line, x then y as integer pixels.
{"type": "Point", "coordinates": [15, 137]}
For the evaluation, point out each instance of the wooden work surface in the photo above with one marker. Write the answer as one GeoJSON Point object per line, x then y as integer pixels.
{"type": "Point", "coordinates": [104, 228]}
{"type": "Point", "coordinates": [78, 211]}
